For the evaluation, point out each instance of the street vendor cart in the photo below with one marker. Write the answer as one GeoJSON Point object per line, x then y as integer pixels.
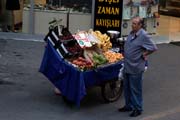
{"type": "Point", "coordinates": [73, 82]}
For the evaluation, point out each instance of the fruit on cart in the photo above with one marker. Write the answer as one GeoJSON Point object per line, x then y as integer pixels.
{"type": "Point", "coordinates": [104, 40]}
{"type": "Point", "coordinates": [88, 52]}
{"type": "Point", "coordinates": [82, 63]}
{"type": "Point", "coordinates": [68, 37]}
{"type": "Point", "coordinates": [99, 59]}
{"type": "Point", "coordinates": [112, 56]}
{"type": "Point", "coordinates": [72, 47]}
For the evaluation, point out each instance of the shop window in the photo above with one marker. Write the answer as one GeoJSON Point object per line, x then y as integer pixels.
{"type": "Point", "coordinates": [170, 7]}
{"type": "Point", "coordinates": [74, 6]}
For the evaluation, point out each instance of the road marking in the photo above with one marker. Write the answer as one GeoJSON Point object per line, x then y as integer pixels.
{"type": "Point", "coordinates": [162, 114]}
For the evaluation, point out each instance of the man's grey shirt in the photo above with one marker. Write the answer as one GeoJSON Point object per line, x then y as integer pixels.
{"type": "Point", "coordinates": [134, 47]}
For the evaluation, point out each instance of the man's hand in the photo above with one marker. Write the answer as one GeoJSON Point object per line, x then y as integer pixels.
{"type": "Point", "coordinates": [146, 53]}
{"type": "Point", "coordinates": [144, 56]}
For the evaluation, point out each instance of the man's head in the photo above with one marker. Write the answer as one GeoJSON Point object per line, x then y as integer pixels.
{"type": "Point", "coordinates": [137, 24]}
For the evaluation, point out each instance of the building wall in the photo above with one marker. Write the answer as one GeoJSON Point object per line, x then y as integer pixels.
{"type": "Point", "coordinates": [169, 26]}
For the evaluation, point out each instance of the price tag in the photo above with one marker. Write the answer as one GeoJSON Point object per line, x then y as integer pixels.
{"type": "Point", "coordinates": [82, 40]}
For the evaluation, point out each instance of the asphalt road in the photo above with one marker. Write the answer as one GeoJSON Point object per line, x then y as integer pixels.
{"type": "Point", "coordinates": [28, 95]}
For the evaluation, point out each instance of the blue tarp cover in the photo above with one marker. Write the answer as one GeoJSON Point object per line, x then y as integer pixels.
{"type": "Point", "coordinates": [69, 80]}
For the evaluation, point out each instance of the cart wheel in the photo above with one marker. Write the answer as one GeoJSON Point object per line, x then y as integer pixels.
{"type": "Point", "coordinates": [111, 91]}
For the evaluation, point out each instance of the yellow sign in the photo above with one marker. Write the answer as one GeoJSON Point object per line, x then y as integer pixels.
{"type": "Point", "coordinates": [108, 10]}
{"type": "Point", "coordinates": [108, 23]}
{"type": "Point", "coordinates": [108, 15]}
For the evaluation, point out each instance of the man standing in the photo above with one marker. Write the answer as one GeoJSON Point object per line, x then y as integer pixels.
{"type": "Point", "coordinates": [137, 46]}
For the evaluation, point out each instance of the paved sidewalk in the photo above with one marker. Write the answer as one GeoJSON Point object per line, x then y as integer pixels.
{"type": "Point", "coordinates": [28, 95]}
{"type": "Point", "coordinates": [20, 36]}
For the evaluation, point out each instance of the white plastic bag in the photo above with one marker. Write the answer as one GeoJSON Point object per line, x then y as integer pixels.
{"type": "Point", "coordinates": [120, 76]}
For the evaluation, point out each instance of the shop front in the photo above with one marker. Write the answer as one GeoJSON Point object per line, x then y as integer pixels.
{"type": "Point", "coordinates": [170, 7]}
{"type": "Point", "coordinates": [33, 16]}
{"type": "Point", "coordinates": [74, 15]}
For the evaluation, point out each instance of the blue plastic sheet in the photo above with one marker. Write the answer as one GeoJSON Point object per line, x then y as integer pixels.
{"type": "Point", "coordinates": [69, 80]}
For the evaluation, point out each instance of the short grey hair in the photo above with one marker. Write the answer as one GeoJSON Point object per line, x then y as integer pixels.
{"type": "Point", "coordinates": [140, 21]}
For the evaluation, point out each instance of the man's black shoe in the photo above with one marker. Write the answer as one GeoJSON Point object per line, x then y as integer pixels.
{"type": "Point", "coordinates": [135, 113]}
{"type": "Point", "coordinates": [124, 109]}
